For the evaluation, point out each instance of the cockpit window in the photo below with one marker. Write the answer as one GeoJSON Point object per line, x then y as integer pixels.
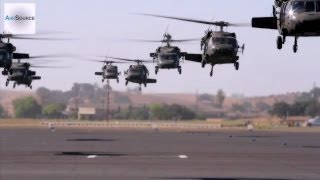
{"type": "Point", "coordinates": [216, 40]}
{"type": "Point", "coordinates": [318, 6]}
{"type": "Point", "coordinates": [310, 6]}
{"type": "Point", "coordinates": [168, 57]}
{"type": "Point", "coordinates": [219, 40]}
{"type": "Point", "coordinates": [4, 55]}
{"type": "Point", "coordinates": [298, 6]}
{"type": "Point", "coordinates": [232, 42]}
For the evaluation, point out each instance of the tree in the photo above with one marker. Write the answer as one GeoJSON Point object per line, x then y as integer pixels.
{"type": "Point", "coordinates": [313, 109]}
{"type": "Point", "coordinates": [2, 111]}
{"type": "Point", "coordinates": [26, 107]}
{"type": "Point", "coordinates": [262, 106]}
{"type": "Point", "coordinates": [280, 109]}
{"type": "Point", "coordinates": [53, 110]}
{"type": "Point", "coordinates": [220, 98]}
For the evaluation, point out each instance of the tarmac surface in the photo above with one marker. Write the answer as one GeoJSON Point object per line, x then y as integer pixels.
{"type": "Point", "coordinates": [78, 154]}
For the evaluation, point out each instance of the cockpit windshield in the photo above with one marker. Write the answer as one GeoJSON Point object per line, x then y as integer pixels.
{"type": "Point", "coordinates": [304, 6]}
{"type": "Point", "coordinates": [168, 57]}
{"type": "Point", "coordinates": [232, 41]}
{"type": "Point", "coordinates": [298, 6]}
{"type": "Point", "coordinates": [224, 40]}
{"type": "Point", "coordinates": [4, 55]}
{"type": "Point", "coordinates": [310, 6]}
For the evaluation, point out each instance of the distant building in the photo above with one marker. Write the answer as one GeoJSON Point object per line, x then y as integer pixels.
{"type": "Point", "coordinates": [86, 113]}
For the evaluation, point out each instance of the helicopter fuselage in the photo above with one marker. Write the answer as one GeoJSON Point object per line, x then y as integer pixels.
{"type": "Point", "coordinates": [220, 48]}
{"type": "Point", "coordinates": [137, 74]}
{"type": "Point", "coordinates": [110, 72]}
{"type": "Point", "coordinates": [299, 18]}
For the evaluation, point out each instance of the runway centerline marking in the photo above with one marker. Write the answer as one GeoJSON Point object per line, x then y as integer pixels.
{"type": "Point", "coordinates": [183, 156]}
{"type": "Point", "coordinates": [91, 156]}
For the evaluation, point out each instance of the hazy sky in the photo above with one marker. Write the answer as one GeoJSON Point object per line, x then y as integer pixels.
{"type": "Point", "coordinates": [263, 69]}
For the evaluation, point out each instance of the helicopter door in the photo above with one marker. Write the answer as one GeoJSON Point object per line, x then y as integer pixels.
{"type": "Point", "coordinates": [310, 8]}
{"type": "Point", "coordinates": [284, 13]}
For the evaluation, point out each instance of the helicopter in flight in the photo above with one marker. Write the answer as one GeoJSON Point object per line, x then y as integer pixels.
{"type": "Point", "coordinates": [21, 74]}
{"type": "Point", "coordinates": [168, 56]}
{"type": "Point", "coordinates": [109, 71]}
{"type": "Point", "coordinates": [137, 73]}
{"type": "Point", "coordinates": [292, 18]}
{"type": "Point", "coordinates": [7, 49]}
{"type": "Point", "coordinates": [219, 47]}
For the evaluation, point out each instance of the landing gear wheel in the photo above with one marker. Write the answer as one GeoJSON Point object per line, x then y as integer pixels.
{"type": "Point", "coordinates": [295, 46]}
{"type": "Point", "coordinates": [145, 84]}
{"type": "Point", "coordinates": [156, 70]}
{"type": "Point", "coordinates": [279, 42]}
{"type": "Point", "coordinates": [102, 80]}
{"type": "Point", "coordinates": [7, 83]}
{"type": "Point", "coordinates": [211, 72]}
{"type": "Point", "coordinates": [117, 80]}
{"type": "Point", "coordinates": [127, 83]}
{"type": "Point", "coordinates": [14, 85]}
{"type": "Point", "coordinates": [180, 71]}
{"type": "Point", "coordinates": [203, 63]}
{"type": "Point", "coordinates": [30, 87]}
{"type": "Point", "coordinates": [237, 65]}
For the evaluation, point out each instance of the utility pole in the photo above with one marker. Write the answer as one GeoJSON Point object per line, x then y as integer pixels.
{"type": "Point", "coordinates": [197, 102]}
{"type": "Point", "coordinates": [108, 100]}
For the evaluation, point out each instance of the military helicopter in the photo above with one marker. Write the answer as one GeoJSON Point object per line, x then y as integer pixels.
{"type": "Point", "coordinates": [109, 71]}
{"type": "Point", "coordinates": [219, 47]}
{"type": "Point", "coordinates": [296, 18]}
{"type": "Point", "coordinates": [7, 49]}
{"type": "Point", "coordinates": [168, 56]}
{"type": "Point", "coordinates": [137, 73]}
{"type": "Point", "coordinates": [21, 74]}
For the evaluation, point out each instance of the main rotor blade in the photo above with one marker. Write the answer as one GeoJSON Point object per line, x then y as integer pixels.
{"type": "Point", "coordinates": [41, 39]}
{"type": "Point", "coordinates": [50, 67]}
{"type": "Point", "coordinates": [164, 41]}
{"type": "Point", "coordinates": [218, 23]}
{"type": "Point", "coordinates": [51, 56]}
{"type": "Point", "coordinates": [130, 60]}
{"type": "Point", "coordinates": [102, 61]}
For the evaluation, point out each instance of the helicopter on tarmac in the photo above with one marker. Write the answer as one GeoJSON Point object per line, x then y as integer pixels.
{"type": "Point", "coordinates": [168, 56]}
{"type": "Point", "coordinates": [219, 47]}
{"type": "Point", "coordinates": [296, 18]}
{"type": "Point", "coordinates": [137, 73]}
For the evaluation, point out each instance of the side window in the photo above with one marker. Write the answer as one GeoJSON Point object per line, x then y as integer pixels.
{"type": "Point", "coordinates": [223, 40]}
{"type": "Point", "coordinates": [318, 6]}
{"type": "Point", "coordinates": [298, 6]}
{"type": "Point", "coordinates": [310, 6]}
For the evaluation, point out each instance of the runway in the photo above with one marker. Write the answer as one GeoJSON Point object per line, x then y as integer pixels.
{"type": "Point", "coordinates": [80, 154]}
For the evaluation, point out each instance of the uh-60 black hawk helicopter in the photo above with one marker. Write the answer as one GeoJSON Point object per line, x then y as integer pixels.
{"type": "Point", "coordinates": [21, 74]}
{"type": "Point", "coordinates": [7, 49]}
{"type": "Point", "coordinates": [296, 18]}
{"type": "Point", "coordinates": [108, 70]}
{"type": "Point", "coordinates": [137, 73]}
{"type": "Point", "coordinates": [219, 47]}
{"type": "Point", "coordinates": [168, 56]}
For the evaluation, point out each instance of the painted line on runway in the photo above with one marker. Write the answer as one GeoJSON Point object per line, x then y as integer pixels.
{"type": "Point", "coordinates": [145, 156]}
{"type": "Point", "coordinates": [91, 156]}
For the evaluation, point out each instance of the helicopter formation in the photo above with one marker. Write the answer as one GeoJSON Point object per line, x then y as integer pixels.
{"type": "Point", "coordinates": [292, 18]}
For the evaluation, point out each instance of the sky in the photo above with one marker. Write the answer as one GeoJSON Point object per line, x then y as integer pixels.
{"type": "Point", "coordinates": [102, 26]}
